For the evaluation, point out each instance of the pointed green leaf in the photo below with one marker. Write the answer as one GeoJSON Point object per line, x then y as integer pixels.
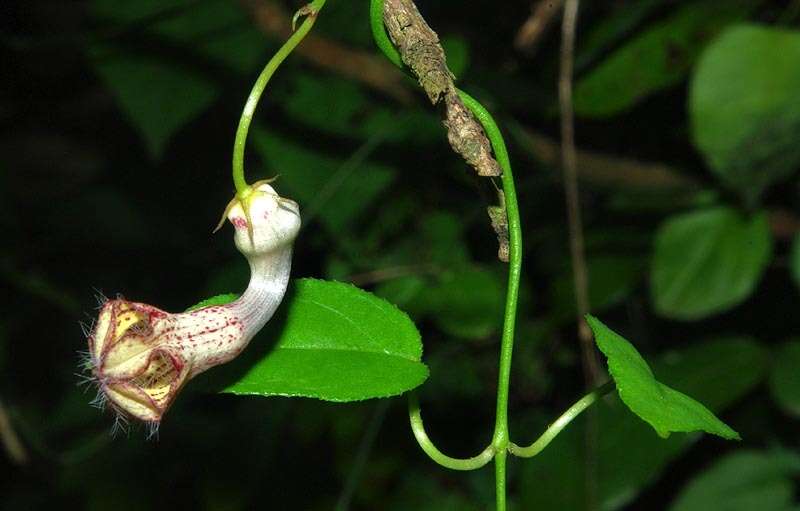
{"type": "Point", "coordinates": [630, 457]}
{"type": "Point", "coordinates": [666, 409]}
{"type": "Point", "coordinates": [335, 342]}
{"type": "Point", "coordinates": [708, 261]}
{"type": "Point", "coordinates": [659, 57]}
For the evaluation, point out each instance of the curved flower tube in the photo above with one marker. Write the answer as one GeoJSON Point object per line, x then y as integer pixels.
{"type": "Point", "coordinates": [141, 356]}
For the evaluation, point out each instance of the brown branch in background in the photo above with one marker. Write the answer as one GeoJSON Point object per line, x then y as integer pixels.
{"type": "Point", "coordinates": [393, 272]}
{"type": "Point", "coordinates": [783, 224]}
{"type": "Point", "coordinates": [590, 364]}
{"type": "Point", "coordinates": [11, 442]}
{"type": "Point", "coordinates": [569, 158]}
{"type": "Point", "coordinates": [530, 33]}
{"type": "Point", "coordinates": [359, 65]}
{"type": "Point", "coordinates": [420, 50]}
{"type": "Point", "coordinates": [604, 169]}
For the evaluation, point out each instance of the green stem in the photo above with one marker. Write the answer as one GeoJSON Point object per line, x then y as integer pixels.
{"type": "Point", "coordinates": [500, 480]}
{"type": "Point", "coordinates": [435, 454]}
{"type": "Point", "coordinates": [312, 9]}
{"type": "Point", "coordinates": [514, 269]}
{"type": "Point", "coordinates": [555, 428]}
{"type": "Point", "coordinates": [500, 440]}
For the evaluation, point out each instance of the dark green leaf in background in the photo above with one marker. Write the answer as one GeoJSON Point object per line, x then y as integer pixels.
{"type": "Point", "coordinates": [655, 59]}
{"type": "Point", "coordinates": [784, 381]}
{"type": "Point", "coordinates": [708, 261]}
{"type": "Point", "coordinates": [611, 279]}
{"type": "Point", "coordinates": [664, 408]}
{"type": "Point", "coordinates": [160, 96]}
{"type": "Point", "coordinates": [336, 190]}
{"type": "Point", "coordinates": [610, 29]}
{"type": "Point", "coordinates": [743, 481]}
{"type": "Point", "coordinates": [338, 343]}
{"type": "Point", "coordinates": [468, 302]}
{"type": "Point", "coordinates": [338, 106]}
{"type": "Point", "coordinates": [743, 104]}
{"type": "Point", "coordinates": [217, 29]}
{"type": "Point", "coordinates": [630, 456]}
{"type": "Point", "coordinates": [456, 49]}
{"type": "Point", "coordinates": [794, 261]}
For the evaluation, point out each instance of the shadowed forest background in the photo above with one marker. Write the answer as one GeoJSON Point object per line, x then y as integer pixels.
{"type": "Point", "coordinates": [116, 126]}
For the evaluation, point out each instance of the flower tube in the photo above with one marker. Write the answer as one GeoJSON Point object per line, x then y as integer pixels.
{"type": "Point", "coordinates": [141, 356]}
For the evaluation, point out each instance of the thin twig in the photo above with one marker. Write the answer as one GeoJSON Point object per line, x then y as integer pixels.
{"type": "Point", "coordinates": [532, 30]}
{"type": "Point", "coordinates": [604, 169]}
{"type": "Point", "coordinates": [568, 156]}
{"type": "Point", "coordinates": [580, 274]}
{"type": "Point", "coordinates": [11, 442]}
{"type": "Point", "coordinates": [392, 272]}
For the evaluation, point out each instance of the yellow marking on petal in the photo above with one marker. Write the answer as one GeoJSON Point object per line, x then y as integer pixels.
{"type": "Point", "coordinates": [127, 319]}
{"type": "Point", "coordinates": [101, 332]}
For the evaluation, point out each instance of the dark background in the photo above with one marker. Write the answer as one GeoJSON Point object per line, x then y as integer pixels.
{"type": "Point", "coordinates": [116, 129]}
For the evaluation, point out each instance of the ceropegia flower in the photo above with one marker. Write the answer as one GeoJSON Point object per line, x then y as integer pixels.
{"type": "Point", "coordinates": [141, 356]}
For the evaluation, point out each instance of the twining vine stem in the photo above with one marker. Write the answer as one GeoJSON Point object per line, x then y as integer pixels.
{"type": "Point", "coordinates": [500, 445]}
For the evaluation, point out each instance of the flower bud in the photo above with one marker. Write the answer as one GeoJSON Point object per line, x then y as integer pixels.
{"type": "Point", "coordinates": [141, 356]}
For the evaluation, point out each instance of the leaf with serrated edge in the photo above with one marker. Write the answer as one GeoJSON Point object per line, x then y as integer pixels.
{"type": "Point", "coordinates": [336, 342]}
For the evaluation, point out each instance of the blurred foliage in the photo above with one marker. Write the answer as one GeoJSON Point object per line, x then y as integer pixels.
{"type": "Point", "coordinates": [117, 124]}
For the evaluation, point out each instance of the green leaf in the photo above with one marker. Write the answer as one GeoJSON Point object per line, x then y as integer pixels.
{"type": "Point", "coordinates": [657, 58]}
{"type": "Point", "coordinates": [629, 455]}
{"type": "Point", "coordinates": [784, 381]}
{"type": "Point", "coordinates": [339, 106]}
{"type": "Point", "coordinates": [456, 50]}
{"type": "Point", "coordinates": [160, 96]}
{"type": "Point", "coordinates": [219, 30]}
{"type": "Point", "coordinates": [743, 481]}
{"type": "Point", "coordinates": [335, 343]}
{"type": "Point", "coordinates": [467, 302]}
{"type": "Point", "coordinates": [611, 279]}
{"type": "Point", "coordinates": [214, 300]}
{"type": "Point", "coordinates": [617, 22]}
{"type": "Point", "coordinates": [743, 104]}
{"type": "Point", "coordinates": [664, 408]}
{"type": "Point", "coordinates": [337, 191]}
{"type": "Point", "coordinates": [708, 261]}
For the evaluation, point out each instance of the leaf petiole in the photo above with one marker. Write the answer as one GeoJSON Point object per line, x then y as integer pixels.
{"type": "Point", "coordinates": [555, 428]}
